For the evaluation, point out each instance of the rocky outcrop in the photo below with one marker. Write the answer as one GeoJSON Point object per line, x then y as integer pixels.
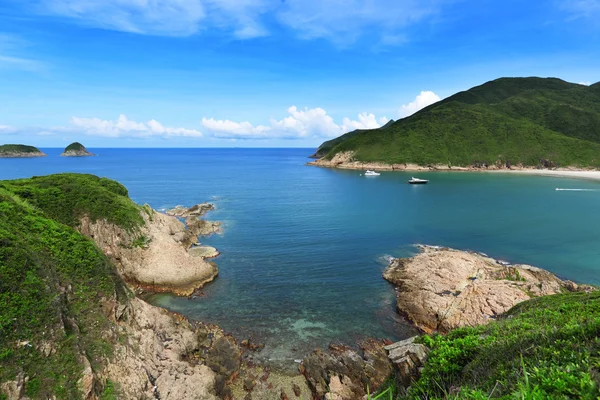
{"type": "Point", "coordinates": [204, 251]}
{"type": "Point", "coordinates": [197, 210]}
{"type": "Point", "coordinates": [152, 357]}
{"type": "Point", "coordinates": [346, 374]}
{"type": "Point", "coordinates": [409, 359]}
{"type": "Point", "coordinates": [156, 257]}
{"type": "Point", "coordinates": [441, 289]}
{"type": "Point", "coordinates": [76, 150]}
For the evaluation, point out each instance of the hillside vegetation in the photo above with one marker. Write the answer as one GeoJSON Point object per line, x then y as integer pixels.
{"type": "Point", "coordinates": [54, 280]}
{"type": "Point", "coordinates": [18, 149]}
{"type": "Point", "coordinates": [506, 121]}
{"type": "Point", "coordinates": [545, 348]}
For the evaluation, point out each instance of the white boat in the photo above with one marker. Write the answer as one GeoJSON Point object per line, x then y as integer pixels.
{"type": "Point", "coordinates": [371, 173]}
{"type": "Point", "coordinates": [417, 181]}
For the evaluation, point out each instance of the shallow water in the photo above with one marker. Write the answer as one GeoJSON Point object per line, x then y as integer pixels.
{"type": "Point", "coordinates": [303, 248]}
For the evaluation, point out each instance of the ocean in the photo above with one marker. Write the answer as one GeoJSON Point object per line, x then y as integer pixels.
{"type": "Point", "coordinates": [303, 248]}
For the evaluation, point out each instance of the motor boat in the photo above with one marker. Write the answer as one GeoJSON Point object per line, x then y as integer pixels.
{"type": "Point", "coordinates": [417, 181]}
{"type": "Point", "coordinates": [371, 173]}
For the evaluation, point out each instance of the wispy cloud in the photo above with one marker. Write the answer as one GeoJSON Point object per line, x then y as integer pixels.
{"type": "Point", "coordinates": [11, 47]}
{"type": "Point", "coordinates": [340, 21]}
{"type": "Point", "coordinates": [123, 127]}
{"type": "Point", "coordinates": [7, 130]}
{"type": "Point", "coordinates": [581, 8]}
{"type": "Point", "coordinates": [299, 124]}
{"type": "Point", "coordinates": [423, 99]}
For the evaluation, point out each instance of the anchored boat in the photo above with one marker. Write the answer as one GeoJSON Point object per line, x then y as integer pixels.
{"type": "Point", "coordinates": [417, 181]}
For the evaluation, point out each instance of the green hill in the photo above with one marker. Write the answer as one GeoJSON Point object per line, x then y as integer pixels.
{"type": "Point", "coordinates": [54, 280]}
{"type": "Point", "coordinates": [76, 149]}
{"type": "Point", "coordinates": [506, 121]}
{"type": "Point", "coordinates": [19, 150]}
{"type": "Point", "coordinates": [327, 146]}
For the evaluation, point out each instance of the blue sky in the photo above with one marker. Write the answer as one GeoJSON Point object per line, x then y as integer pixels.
{"type": "Point", "coordinates": [260, 73]}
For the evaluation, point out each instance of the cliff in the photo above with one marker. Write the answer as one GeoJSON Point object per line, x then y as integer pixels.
{"type": "Point", "coordinates": [19, 151]}
{"type": "Point", "coordinates": [76, 149]}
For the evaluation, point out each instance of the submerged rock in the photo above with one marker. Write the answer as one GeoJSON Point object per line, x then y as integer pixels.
{"type": "Point", "coordinates": [204, 251]}
{"type": "Point", "coordinates": [442, 289]}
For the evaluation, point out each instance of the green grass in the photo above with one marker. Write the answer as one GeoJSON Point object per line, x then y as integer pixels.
{"type": "Point", "coordinates": [545, 348]}
{"type": "Point", "coordinates": [510, 120]}
{"type": "Point", "coordinates": [18, 148]}
{"type": "Point", "coordinates": [68, 197]}
{"type": "Point", "coordinates": [53, 280]}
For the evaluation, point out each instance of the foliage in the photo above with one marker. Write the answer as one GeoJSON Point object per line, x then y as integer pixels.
{"type": "Point", "coordinates": [53, 281]}
{"type": "Point", "coordinates": [75, 146]}
{"type": "Point", "coordinates": [18, 148]}
{"type": "Point", "coordinates": [509, 120]}
{"type": "Point", "coordinates": [68, 197]}
{"type": "Point", "coordinates": [548, 347]}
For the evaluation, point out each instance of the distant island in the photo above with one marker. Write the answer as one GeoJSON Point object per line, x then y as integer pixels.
{"type": "Point", "coordinates": [505, 123]}
{"type": "Point", "coordinates": [76, 149]}
{"type": "Point", "coordinates": [19, 150]}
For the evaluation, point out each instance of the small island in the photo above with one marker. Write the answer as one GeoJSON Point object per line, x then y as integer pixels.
{"type": "Point", "coordinates": [19, 151]}
{"type": "Point", "coordinates": [76, 149]}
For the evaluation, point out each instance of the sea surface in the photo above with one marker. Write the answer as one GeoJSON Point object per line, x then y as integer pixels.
{"type": "Point", "coordinates": [303, 248]}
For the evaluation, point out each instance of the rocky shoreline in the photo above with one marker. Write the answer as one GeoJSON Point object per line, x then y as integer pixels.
{"type": "Point", "coordinates": [21, 155]}
{"type": "Point", "coordinates": [442, 289]}
{"type": "Point", "coordinates": [345, 160]}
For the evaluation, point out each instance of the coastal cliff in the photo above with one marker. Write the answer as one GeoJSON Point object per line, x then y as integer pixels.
{"type": "Point", "coordinates": [19, 151]}
{"type": "Point", "coordinates": [76, 149]}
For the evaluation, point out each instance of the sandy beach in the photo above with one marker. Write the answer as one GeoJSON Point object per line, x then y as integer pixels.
{"type": "Point", "coordinates": [592, 175]}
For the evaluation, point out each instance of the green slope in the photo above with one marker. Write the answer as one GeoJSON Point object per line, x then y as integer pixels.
{"type": "Point", "coordinates": [75, 146]}
{"type": "Point", "coordinates": [545, 348]}
{"type": "Point", "coordinates": [54, 281]}
{"type": "Point", "coordinates": [509, 120]}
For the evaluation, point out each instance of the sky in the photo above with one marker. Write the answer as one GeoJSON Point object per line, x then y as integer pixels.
{"type": "Point", "coordinates": [265, 73]}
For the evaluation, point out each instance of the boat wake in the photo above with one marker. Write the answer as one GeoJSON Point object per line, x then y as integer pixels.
{"type": "Point", "coordinates": [579, 190]}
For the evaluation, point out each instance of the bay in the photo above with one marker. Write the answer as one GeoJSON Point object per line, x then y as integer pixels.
{"type": "Point", "coordinates": [303, 248]}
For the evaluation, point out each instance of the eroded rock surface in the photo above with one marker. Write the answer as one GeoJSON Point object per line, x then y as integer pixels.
{"type": "Point", "coordinates": [197, 210]}
{"type": "Point", "coordinates": [408, 358]}
{"type": "Point", "coordinates": [441, 289]}
{"type": "Point", "coordinates": [156, 257]}
{"type": "Point", "coordinates": [343, 373]}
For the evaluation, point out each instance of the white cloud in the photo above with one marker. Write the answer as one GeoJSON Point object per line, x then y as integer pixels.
{"type": "Point", "coordinates": [585, 83]}
{"type": "Point", "coordinates": [306, 123]}
{"type": "Point", "coordinates": [11, 47]}
{"type": "Point", "coordinates": [344, 21]}
{"type": "Point", "coordinates": [424, 99]}
{"type": "Point", "coordinates": [5, 129]}
{"type": "Point", "coordinates": [123, 127]}
{"type": "Point", "coordinates": [341, 21]}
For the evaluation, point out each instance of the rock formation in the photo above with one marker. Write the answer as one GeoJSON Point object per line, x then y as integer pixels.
{"type": "Point", "coordinates": [76, 149]}
{"type": "Point", "coordinates": [343, 373]}
{"type": "Point", "coordinates": [441, 289]}
{"type": "Point", "coordinates": [409, 359]}
{"type": "Point", "coordinates": [197, 210]}
{"type": "Point", "coordinates": [155, 258]}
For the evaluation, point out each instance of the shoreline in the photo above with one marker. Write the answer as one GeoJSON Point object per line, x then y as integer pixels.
{"type": "Point", "coordinates": [572, 173]}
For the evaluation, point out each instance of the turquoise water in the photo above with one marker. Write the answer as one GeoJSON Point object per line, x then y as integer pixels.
{"type": "Point", "coordinates": [303, 248]}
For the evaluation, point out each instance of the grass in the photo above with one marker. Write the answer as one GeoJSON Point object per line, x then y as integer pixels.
{"type": "Point", "coordinates": [68, 197]}
{"type": "Point", "coordinates": [509, 121]}
{"type": "Point", "coordinates": [54, 280]}
{"type": "Point", "coordinates": [544, 348]}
